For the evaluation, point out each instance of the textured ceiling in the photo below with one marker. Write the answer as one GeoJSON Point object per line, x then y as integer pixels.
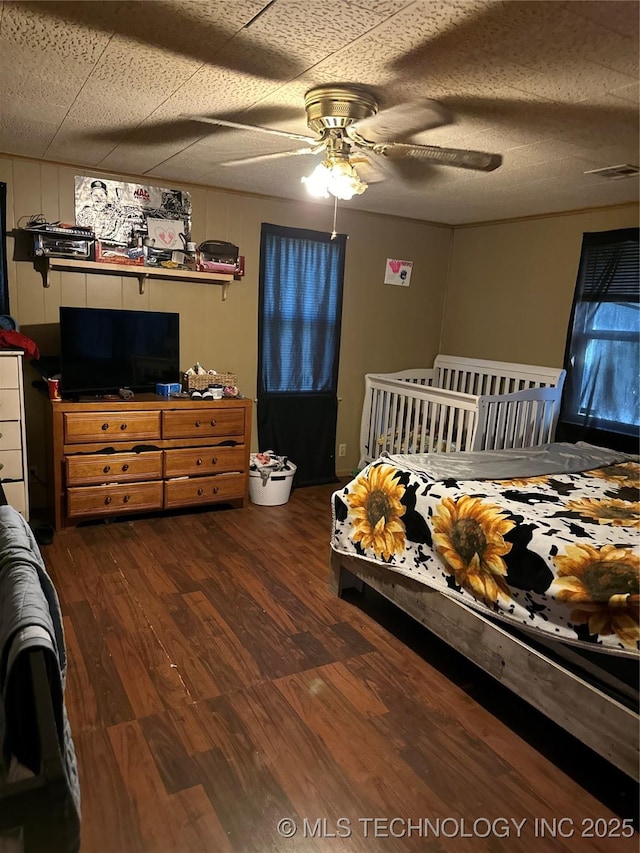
{"type": "Point", "coordinates": [551, 86]}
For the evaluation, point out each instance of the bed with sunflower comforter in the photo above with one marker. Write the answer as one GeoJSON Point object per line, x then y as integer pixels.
{"type": "Point", "coordinates": [544, 538]}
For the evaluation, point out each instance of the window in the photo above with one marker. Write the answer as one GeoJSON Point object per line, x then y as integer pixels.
{"type": "Point", "coordinates": [602, 400]}
{"type": "Point", "coordinates": [299, 319]}
{"type": "Point", "coordinates": [300, 310]}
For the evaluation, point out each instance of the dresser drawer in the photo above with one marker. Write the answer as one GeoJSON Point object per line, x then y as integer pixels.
{"type": "Point", "coordinates": [10, 371]}
{"type": "Point", "coordinates": [196, 423]}
{"type": "Point", "coordinates": [203, 490]}
{"type": "Point", "coordinates": [110, 500]}
{"type": "Point", "coordinates": [113, 467]}
{"type": "Point", "coordinates": [203, 460]}
{"type": "Point", "coordinates": [16, 495]}
{"type": "Point", "coordinates": [10, 435]}
{"type": "Point", "coordinates": [9, 404]}
{"type": "Point", "coordinates": [11, 465]}
{"type": "Point", "coordinates": [111, 426]}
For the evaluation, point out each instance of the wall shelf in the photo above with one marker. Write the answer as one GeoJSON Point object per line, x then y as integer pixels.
{"type": "Point", "coordinates": [46, 263]}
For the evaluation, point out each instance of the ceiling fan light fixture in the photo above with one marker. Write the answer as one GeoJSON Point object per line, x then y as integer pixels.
{"type": "Point", "coordinates": [316, 183]}
{"type": "Point", "coordinates": [334, 177]}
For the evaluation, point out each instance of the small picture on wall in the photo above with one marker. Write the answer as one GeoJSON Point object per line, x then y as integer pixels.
{"type": "Point", "coordinates": [115, 209]}
{"type": "Point", "coordinates": [398, 272]}
{"type": "Point", "coordinates": [166, 233]}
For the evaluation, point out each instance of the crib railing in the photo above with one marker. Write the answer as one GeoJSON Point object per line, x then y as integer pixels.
{"type": "Point", "coordinates": [407, 417]}
{"type": "Point", "coordinates": [524, 419]}
{"type": "Point", "coordinates": [407, 411]}
{"type": "Point", "coordinates": [479, 376]}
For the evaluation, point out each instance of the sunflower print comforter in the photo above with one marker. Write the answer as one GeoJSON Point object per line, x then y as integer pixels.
{"type": "Point", "coordinates": [557, 553]}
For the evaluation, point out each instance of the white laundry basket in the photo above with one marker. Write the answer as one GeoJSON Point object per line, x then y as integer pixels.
{"type": "Point", "coordinates": [274, 489]}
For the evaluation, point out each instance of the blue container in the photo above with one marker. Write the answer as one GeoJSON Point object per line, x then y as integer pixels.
{"type": "Point", "coordinates": [165, 389]}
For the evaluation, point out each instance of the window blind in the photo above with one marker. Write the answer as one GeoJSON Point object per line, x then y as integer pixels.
{"type": "Point", "coordinates": [609, 267]}
{"type": "Point", "coordinates": [601, 399]}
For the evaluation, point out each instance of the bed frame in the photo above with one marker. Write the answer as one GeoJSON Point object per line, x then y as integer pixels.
{"type": "Point", "coordinates": [37, 811]}
{"type": "Point", "coordinates": [459, 404]}
{"type": "Point", "coordinates": [589, 713]}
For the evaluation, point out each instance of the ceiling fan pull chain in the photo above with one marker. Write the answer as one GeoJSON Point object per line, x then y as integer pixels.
{"type": "Point", "coordinates": [335, 217]}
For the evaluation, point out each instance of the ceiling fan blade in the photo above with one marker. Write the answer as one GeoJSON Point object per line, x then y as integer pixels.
{"type": "Point", "coordinates": [403, 120]}
{"type": "Point", "coordinates": [480, 161]}
{"type": "Point", "coordinates": [370, 171]}
{"type": "Point", "coordinates": [256, 127]}
{"type": "Point", "coordinates": [259, 158]}
{"type": "Point", "coordinates": [179, 130]}
{"type": "Point", "coordinates": [412, 173]}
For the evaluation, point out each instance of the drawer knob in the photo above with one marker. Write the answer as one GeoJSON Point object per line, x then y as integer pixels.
{"type": "Point", "coordinates": [125, 499]}
{"type": "Point", "coordinates": [201, 491]}
{"type": "Point", "coordinates": [123, 426]}
{"type": "Point", "coordinates": [214, 460]}
{"type": "Point", "coordinates": [215, 490]}
{"type": "Point", "coordinates": [197, 423]}
{"type": "Point", "coordinates": [213, 422]}
{"type": "Point", "coordinates": [125, 467]}
{"type": "Point", "coordinates": [106, 469]}
{"type": "Point", "coordinates": [198, 461]}
{"type": "Point", "coordinates": [105, 426]}
{"type": "Point", "coordinates": [107, 500]}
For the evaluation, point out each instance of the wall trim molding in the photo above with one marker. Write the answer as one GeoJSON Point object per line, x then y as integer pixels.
{"type": "Point", "coordinates": [550, 215]}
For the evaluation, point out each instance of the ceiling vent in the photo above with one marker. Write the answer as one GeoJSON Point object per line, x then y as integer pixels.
{"type": "Point", "coordinates": [615, 173]}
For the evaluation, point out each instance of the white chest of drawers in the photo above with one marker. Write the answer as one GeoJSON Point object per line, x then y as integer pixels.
{"type": "Point", "coordinates": [14, 472]}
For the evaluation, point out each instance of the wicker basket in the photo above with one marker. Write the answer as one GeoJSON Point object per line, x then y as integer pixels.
{"type": "Point", "coordinates": [201, 381]}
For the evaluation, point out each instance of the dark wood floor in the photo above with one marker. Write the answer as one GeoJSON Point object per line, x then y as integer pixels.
{"type": "Point", "coordinates": [217, 687]}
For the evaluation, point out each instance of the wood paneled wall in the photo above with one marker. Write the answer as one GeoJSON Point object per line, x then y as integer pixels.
{"type": "Point", "coordinates": [383, 328]}
{"type": "Point", "coordinates": [499, 290]}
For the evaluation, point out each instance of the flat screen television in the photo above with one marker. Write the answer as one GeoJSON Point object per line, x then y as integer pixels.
{"type": "Point", "coordinates": [103, 350]}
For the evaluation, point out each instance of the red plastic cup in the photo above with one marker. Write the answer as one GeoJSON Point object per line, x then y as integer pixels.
{"type": "Point", "coordinates": [54, 389]}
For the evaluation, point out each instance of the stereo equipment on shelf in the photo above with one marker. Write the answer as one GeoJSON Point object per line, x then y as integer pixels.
{"type": "Point", "coordinates": [62, 245]}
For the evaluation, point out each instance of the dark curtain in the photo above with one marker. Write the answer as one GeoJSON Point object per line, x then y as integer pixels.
{"type": "Point", "coordinates": [302, 427]}
{"type": "Point", "coordinates": [601, 400]}
{"type": "Point", "coordinates": [300, 312]}
{"type": "Point", "coordinates": [4, 280]}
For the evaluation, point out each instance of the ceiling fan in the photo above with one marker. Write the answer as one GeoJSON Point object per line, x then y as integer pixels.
{"type": "Point", "coordinates": [352, 132]}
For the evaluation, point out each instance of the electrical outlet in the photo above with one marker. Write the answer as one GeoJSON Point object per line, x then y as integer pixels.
{"type": "Point", "coordinates": [342, 450]}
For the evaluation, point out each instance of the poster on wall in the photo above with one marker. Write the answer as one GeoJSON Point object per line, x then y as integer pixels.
{"type": "Point", "coordinates": [115, 210]}
{"type": "Point", "coordinates": [398, 272]}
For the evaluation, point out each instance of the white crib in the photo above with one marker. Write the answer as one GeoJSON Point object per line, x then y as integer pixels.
{"type": "Point", "coordinates": [459, 404]}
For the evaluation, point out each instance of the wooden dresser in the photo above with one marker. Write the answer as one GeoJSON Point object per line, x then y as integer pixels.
{"type": "Point", "coordinates": [14, 470]}
{"type": "Point", "coordinates": [149, 453]}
